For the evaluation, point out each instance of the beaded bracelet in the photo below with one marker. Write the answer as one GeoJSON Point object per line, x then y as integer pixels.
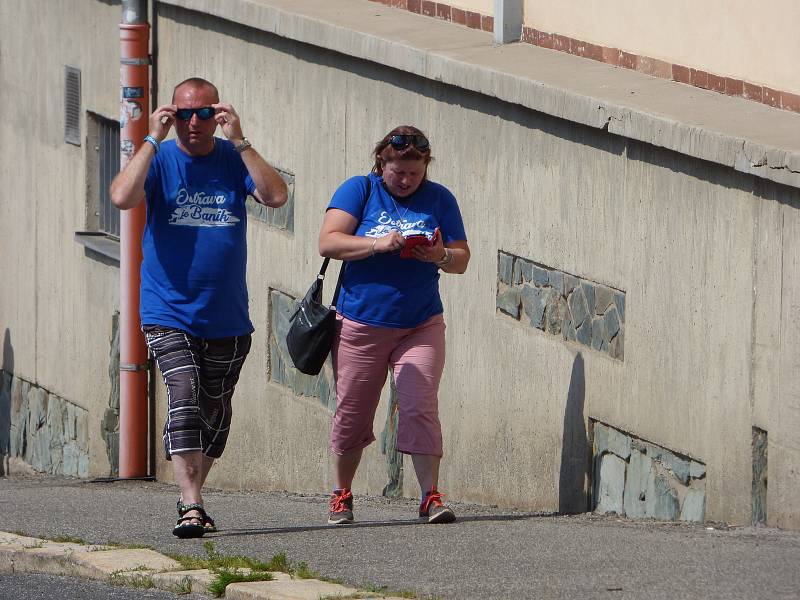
{"type": "Point", "coordinates": [152, 141]}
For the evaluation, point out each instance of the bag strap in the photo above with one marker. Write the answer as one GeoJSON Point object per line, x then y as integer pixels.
{"type": "Point", "coordinates": [323, 268]}
{"type": "Point", "coordinates": [344, 263]}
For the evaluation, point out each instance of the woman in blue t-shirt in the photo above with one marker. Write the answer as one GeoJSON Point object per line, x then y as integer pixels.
{"type": "Point", "coordinates": [396, 230]}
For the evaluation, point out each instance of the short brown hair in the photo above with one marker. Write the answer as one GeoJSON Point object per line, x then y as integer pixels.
{"type": "Point", "coordinates": [196, 82]}
{"type": "Point", "coordinates": [384, 152]}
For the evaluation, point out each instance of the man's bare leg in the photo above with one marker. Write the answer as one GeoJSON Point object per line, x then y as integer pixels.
{"type": "Point", "coordinates": [207, 464]}
{"type": "Point", "coordinates": [191, 470]}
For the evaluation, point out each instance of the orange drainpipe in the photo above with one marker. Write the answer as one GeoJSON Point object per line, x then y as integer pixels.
{"type": "Point", "coordinates": [134, 114]}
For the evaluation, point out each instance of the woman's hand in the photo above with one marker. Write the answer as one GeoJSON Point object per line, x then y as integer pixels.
{"type": "Point", "coordinates": [391, 242]}
{"type": "Point", "coordinates": [431, 254]}
{"type": "Point", "coordinates": [336, 239]}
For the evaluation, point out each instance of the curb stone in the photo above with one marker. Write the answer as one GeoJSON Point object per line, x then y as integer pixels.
{"type": "Point", "coordinates": [302, 589]}
{"type": "Point", "coordinates": [23, 554]}
{"type": "Point", "coordinates": [199, 579]}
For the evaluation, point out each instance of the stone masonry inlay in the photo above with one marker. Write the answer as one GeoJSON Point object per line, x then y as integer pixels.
{"type": "Point", "coordinates": [561, 304]}
{"type": "Point", "coordinates": [280, 218]}
{"type": "Point", "coordinates": [281, 370]}
{"type": "Point", "coordinates": [46, 431]}
{"type": "Point", "coordinates": [638, 479]}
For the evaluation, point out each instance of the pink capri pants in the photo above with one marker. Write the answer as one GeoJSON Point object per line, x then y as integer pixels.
{"type": "Point", "coordinates": [362, 355]}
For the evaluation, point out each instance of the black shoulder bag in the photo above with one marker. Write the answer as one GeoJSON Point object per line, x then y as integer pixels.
{"type": "Point", "coordinates": [310, 335]}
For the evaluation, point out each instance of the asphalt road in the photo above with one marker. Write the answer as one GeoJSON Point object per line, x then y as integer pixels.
{"type": "Point", "coordinates": [489, 553]}
{"type": "Point", "coordinates": [31, 586]}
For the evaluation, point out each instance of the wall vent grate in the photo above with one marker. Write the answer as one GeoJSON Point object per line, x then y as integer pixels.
{"type": "Point", "coordinates": [72, 106]}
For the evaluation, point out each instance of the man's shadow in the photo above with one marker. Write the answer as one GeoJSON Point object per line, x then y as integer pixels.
{"type": "Point", "coordinates": [6, 376]}
{"type": "Point", "coordinates": [575, 455]}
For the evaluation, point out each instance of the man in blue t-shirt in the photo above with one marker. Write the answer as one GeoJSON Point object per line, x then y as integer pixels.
{"type": "Point", "coordinates": [194, 304]}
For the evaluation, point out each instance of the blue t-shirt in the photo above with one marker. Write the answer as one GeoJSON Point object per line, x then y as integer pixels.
{"type": "Point", "coordinates": [194, 243]}
{"type": "Point", "coordinates": [385, 290]}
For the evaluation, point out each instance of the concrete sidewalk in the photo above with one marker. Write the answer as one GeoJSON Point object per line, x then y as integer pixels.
{"type": "Point", "coordinates": [145, 568]}
{"type": "Point", "coordinates": [488, 553]}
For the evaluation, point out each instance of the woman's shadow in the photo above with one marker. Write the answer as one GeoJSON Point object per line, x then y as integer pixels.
{"type": "Point", "coordinates": [575, 456]}
{"type": "Point", "coordinates": [5, 402]}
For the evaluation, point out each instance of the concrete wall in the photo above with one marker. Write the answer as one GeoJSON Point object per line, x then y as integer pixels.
{"type": "Point", "coordinates": [56, 303]}
{"type": "Point", "coordinates": [707, 258]}
{"type": "Point", "coordinates": [679, 236]}
{"type": "Point", "coordinates": [731, 38]}
{"type": "Point", "coordinates": [484, 7]}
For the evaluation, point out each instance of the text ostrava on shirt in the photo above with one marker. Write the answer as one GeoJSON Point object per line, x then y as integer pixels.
{"type": "Point", "coordinates": [198, 213]}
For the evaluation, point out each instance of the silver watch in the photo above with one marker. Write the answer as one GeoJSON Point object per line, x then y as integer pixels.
{"type": "Point", "coordinates": [243, 145]}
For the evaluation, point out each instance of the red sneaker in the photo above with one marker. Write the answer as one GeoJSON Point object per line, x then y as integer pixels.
{"type": "Point", "coordinates": [433, 509]}
{"type": "Point", "coordinates": [341, 508]}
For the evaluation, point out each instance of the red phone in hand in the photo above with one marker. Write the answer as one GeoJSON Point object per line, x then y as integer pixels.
{"type": "Point", "coordinates": [417, 239]}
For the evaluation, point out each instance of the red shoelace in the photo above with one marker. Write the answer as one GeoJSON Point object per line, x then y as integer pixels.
{"type": "Point", "coordinates": [433, 498]}
{"type": "Point", "coordinates": [339, 499]}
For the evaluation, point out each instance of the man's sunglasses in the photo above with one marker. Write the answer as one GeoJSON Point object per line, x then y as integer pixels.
{"type": "Point", "coordinates": [204, 113]}
{"type": "Point", "coordinates": [402, 140]}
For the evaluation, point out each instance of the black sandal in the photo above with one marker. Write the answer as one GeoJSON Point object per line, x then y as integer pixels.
{"type": "Point", "coordinates": [208, 522]}
{"type": "Point", "coordinates": [184, 528]}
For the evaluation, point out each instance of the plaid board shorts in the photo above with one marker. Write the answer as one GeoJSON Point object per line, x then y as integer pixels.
{"type": "Point", "coordinates": [200, 375]}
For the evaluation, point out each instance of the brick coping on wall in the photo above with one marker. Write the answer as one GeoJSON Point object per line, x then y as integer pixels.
{"type": "Point", "coordinates": [612, 56]}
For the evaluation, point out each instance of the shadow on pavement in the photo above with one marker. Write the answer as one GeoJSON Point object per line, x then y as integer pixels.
{"type": "Point", "coordinates": [368, 524]}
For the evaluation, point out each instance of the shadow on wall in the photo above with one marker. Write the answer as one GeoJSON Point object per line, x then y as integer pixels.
{"type": "Point", "coordinates": [572, 497]}
{"type": "Point", "coordinates": [5, 402]}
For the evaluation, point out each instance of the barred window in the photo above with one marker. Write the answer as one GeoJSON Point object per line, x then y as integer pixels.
{"type": "Point", "coordinates": [107, 148]}
{"type": "Point", "coordinates": [101, 235]}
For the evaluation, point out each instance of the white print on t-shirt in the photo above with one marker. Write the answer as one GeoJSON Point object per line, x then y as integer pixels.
{"type": "Point", "coordinates": [201, 210]}
{"type": "Point", "coordinates": [387, 224]}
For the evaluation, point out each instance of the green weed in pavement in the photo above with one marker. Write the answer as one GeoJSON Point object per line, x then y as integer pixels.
{"type": "Point", "coordinates": [225, 577]}
{"type": "Point", "coordinates": [301, 571]}
{"type": "Point", "coordinates": [230, 569]}
{"type": "Point", "coordinates": [382, 590]}
{"type": "Point", "coordinates": [184, 586]}
{"type": "Point", "coordinates": [215, 561]}
{"type": "Point", "coordinates": [69, 539]}
{"type": "Point", "coordinates": [279, 563]}
{"type": "Point", "coordinates": [131, 579]}
{"type": "Point", "coordinates": [61, 539]}
{"type": "Point", "coordinates": [126, 546]}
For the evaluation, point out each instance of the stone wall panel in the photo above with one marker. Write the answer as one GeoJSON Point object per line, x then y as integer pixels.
{"type": "Point", "coordinates": [46, 431]}
{"type": "Point", "coordinates": [656, 482]}
{"type": "Point", "coordinates": [561, 304]}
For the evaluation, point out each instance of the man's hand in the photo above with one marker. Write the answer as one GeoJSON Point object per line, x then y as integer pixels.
{"type": "Point", "coordinates": [229, 122]}
{"type": "Point", "coordinates": [270, 187]}
{"type": "Point", "coordinates": [162, 120]}
{"type": "Point", "coordinates": [127, 189]}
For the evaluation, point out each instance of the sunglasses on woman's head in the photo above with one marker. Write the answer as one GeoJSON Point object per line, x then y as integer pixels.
{"type": "Point", "coordinates": [204, 113]}
{"type": "Point", "coordinates": [402, 140]}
